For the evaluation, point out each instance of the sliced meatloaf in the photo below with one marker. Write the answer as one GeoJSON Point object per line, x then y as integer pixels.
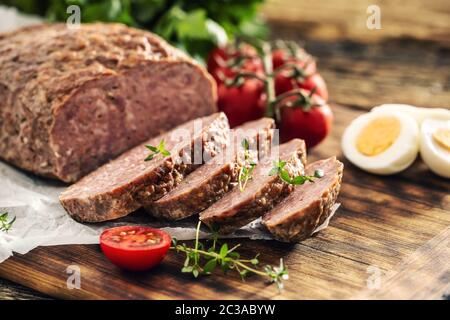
{"type": "Point", "coordinates": [71, 99]}
{"type": "Point", "coordinates": [129, 182]}
{"type": "Point", "coordinates": [308, 206]}
{"type": "Point", "coordinates": [237, 208]}
{"type": "Point", "coordinates": [211, 181]}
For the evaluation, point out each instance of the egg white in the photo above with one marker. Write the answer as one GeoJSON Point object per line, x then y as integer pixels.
{"type": "Point", "coordinates": [400, 155]}
{"type": "Point", "coordinates": [419, 114]}
{"type": "Point", "coordinates": [434, 155]}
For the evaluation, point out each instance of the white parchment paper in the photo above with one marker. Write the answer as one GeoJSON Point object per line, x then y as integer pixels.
{"type": "Point", "coordinates": [42, 221]}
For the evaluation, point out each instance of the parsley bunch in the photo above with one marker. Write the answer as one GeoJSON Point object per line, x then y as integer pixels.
{"type": "Point", "coordinates": [194, 26]}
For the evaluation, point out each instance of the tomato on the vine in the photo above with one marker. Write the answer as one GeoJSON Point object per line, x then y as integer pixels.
{"type": "Point", "coordinates": [135, 248]}
{"type": "Point", "coordinates": [221, 60]}
{"type": "Point", "coordinates": [248, 88]}
{"type": "Point", "coordinates": [242, 103]}
{"type": "Point", "coordinates": [282, 56]}
{"type": "Point", "coordinates": [285, 80]}
{"type": "Point", "coordinates": [310, 123]}
{"type": "Point", "coordinates": [285, 83]}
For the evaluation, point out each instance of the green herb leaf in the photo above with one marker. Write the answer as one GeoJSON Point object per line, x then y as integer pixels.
{"type": "Point", "coordinates": [246, 171]}
{"type": "Point", "coordinates": [278, 169]}
{"type": "Point", "coordinates": [187, 269]}
{"type": "Point", "coordinates": [245, 144]}
{"type": "Point", "coordinates": [6, 225]}
{"type": "Point", "coordinates": [223, 250]}
{"type": "Point", "coordinates": [210, 266]}
{"type": "Point", "coordinates": [160, 149]}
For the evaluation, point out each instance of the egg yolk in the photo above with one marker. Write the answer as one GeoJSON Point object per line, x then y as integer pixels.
{"type": "Point", "coordinates": [442, 137]}
{"type": "Point", "coordinates": [378, 136]}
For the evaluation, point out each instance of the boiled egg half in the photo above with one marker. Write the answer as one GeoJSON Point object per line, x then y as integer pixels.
{"type": "Point", "coordinates": [383, 142]}
{"type": "Point", "coordinates": [435, 145]}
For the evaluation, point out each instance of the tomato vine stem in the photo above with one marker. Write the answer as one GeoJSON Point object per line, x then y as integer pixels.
{"type": "Point", "coordinates": [269, 82]}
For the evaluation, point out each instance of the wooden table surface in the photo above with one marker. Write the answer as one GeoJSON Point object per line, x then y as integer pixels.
{"type": "Point", "coordinates": [397, 226]}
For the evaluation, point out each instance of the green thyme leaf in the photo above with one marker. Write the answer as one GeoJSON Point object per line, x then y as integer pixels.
{"type": "Point", "coordinates": [223, 250]}
{"type": "Point", "coordinates": [245, 144]}
{"type": "Point", "coordinates": [246, 171]}
{"type": "Point", "coordinates": [6, 225]}
{"type": "Point", "coordinates": [210, 266]}
{"type": "Point", "coordinates": [160, 149]}
{"type": "Point", "coordinates": [278, 169]}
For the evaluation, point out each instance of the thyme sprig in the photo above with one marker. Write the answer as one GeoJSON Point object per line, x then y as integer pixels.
{"type": "Point", "coordinates": [278, 169]}
{"type": "Point", "coordinates": [5, 225]}
{"type": "Point", "coordinates": [202, 261]}
{"type": "Point", "coordinates": [160, 149]}
{"type": "Point", "coordinates": [246, 171]}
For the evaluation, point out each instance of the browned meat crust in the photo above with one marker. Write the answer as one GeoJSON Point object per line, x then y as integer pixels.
{"type": "Point", "coordinates": [128, 182]}
{"type": "Point", "coordinates": [71, 100]}
{"type": "Point", "coordinates": [238, 208]}
{"type": "Point", "coordinates": [299, 214]}
{"type": "Point", "coordinates": [213, 180]}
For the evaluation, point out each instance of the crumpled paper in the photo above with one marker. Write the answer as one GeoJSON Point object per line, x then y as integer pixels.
{"type": "Point", "coordinates": [42, 221]}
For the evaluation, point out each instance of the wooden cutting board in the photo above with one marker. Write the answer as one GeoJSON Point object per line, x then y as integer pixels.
{"type": "Point", "coordinates": [389, 239]}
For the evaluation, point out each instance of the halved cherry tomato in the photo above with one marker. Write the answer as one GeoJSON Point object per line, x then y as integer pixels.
{"type": "Point", "coordinates": [311, 125]}
{"type": "Point", "coordinates": [135, 248]}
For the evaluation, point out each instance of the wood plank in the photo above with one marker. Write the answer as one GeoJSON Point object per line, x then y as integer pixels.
{"type": "Point", "coordinates": [382, 221]}
{"type": "Point", "coordinates": [343, 19]}
{"type": "Point", "coordinates": [12, 291]}
{"type": "Point", "coordinates": [414, 278]}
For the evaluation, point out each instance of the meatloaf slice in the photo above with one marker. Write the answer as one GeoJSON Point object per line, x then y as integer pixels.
{"type": "Point", "coordinates": [128, 182]}
{"type": "Point", "coordinates": [213, 180]}
{"type": "Point", "coordinates": [308, 206]}
{"type": "Point", "coordinates": [237, 208]}
{"type": "Point", "coordinates": [72, 99]}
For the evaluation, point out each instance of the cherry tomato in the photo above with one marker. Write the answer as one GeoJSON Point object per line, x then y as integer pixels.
{"type": "Point", "coordinates": [243, 103]}
{"type": "Point", "coordinates": [311, 125]}
{"type": "Point", "coordinates": [282, 56]}
{"type": "Point", "coordinates": [284, 83]}
{"type": "Point", "coordinates": [219, 59]}
{"type": "Point", "coordinates": [135, 248]}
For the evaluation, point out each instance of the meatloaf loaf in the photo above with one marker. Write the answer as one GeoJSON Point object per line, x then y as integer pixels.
{"type": "Point", "coordinates": [211, 181]}
{"type": "Point", "coordinates": [308, 206]}
{"type": "Point", "coordinates": [263, 191]}
{"type": "Point", "coordinates": [72, 99]}
{"type": "Point", "coordinates": [129, 182]}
